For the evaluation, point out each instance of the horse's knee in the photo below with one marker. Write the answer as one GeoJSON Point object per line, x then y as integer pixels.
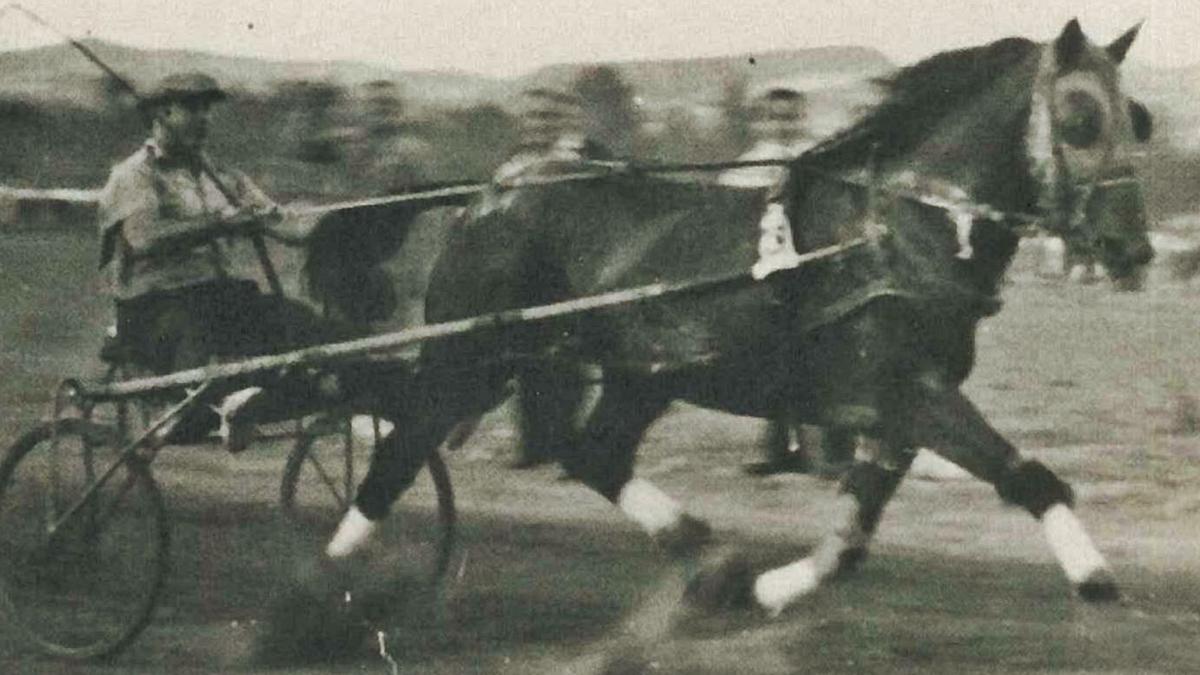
{"type": "Point", "coordinates": [1033, 486]}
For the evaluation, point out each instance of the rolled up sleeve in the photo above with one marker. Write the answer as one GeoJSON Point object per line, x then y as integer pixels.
{"type": "Point", "coordinates": [128, 197]}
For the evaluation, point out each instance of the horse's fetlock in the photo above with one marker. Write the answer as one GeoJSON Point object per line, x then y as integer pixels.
{"type": "Point", "coordinates": [850, 559]}
{"type": "Point", "coordinates": [1099, 587]}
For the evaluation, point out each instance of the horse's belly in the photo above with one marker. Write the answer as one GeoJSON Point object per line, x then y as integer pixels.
{"type": "Point", "coordinates": [678, 333]}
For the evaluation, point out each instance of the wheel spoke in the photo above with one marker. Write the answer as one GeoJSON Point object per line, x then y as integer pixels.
{"type": "Point", "coordinates": [305, 503]}
{"type": "Point", "coordinates": [327, 479]}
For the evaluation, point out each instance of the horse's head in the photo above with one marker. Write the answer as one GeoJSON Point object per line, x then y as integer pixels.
{"type": "Point", "coordinates": [1082, 130]}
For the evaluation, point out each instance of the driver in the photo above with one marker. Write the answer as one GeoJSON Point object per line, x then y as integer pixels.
{"type": "Point", "coordinates": [179, 302]}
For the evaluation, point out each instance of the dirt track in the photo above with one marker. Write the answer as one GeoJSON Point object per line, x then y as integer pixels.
{"type": "Point", "coordinates": [549, 574]}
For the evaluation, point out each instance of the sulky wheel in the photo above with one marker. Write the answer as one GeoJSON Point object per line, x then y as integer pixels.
{"type": "Point", "coordinates": [323, 472]}
{"type": "Point", "coordinates": [79, 576]}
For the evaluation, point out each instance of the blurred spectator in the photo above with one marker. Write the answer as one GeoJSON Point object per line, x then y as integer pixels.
{"type": "Point", "coordinates": [611, 111]}
{"type": "Point", "coordinates": [552, 128]}
{"type": "Point", "coordinates": [310, 109]}
{"type": "Point", "coordinates": [391, 158]}
{"type": "Point", "coordinates": [780, 131]}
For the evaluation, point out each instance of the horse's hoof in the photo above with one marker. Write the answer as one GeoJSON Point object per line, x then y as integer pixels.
{"type": "Point", "coordinates": [850, 560]}
{"type": "Point", "coordinates": [1099, 587]}
{"type": "Point", "coordinates": [686, 539]}
{"type": "Point", "coordinates": [319, 576]}
{"type": "Point", "coordinates": [725, 582]}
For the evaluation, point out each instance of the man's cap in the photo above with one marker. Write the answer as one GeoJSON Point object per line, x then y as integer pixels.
{"type": "Point", "coordinates": [183, 87]}
{"type": "Point", "coordinates": [781, 104]}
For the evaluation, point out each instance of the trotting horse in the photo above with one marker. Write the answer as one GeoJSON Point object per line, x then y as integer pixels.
{"type": "Point", "coordinates": [877, 341]}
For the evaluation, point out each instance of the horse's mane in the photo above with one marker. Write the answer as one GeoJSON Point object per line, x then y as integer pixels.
{"type": "Point", "coordinates": [918, 97]}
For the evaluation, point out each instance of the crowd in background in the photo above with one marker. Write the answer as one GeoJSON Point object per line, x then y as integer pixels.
{"type": "Point", "coordinates": [317, 140]}
{"type": "Point", "coordinates": [385, 147]}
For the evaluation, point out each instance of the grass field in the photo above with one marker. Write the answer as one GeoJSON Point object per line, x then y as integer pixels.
{"type": "Point", "coordinates": [548, 575]}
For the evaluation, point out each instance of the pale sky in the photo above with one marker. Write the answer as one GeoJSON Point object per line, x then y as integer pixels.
{"type": "Point", "coordinates": [511, 37]}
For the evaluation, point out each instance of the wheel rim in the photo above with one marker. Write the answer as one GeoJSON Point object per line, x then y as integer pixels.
{"type": "Point", "coordinates": [87, 589]}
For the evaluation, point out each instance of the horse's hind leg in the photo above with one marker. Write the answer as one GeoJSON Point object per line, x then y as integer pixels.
{"type": "Point", "coordinates": [947, 422]}
{"type": "Point", "coordinates": [603, 459]}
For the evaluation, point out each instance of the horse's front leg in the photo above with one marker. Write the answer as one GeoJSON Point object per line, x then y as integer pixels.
{"type": "Point", "coordinates": [865, 491]}
{"type": "Point", "coordinates": [395, 463]}
{"type": "Point", "coordinates": [947, 422]}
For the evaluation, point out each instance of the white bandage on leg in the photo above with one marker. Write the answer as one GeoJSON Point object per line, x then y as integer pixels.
{"type": "Point", "coordinates": [1071, 544]}
{"type": "Point", "coordinates": [363, 427]}
{"type": "Point", "coordinates": [352, 532]}
{"type": "Point", "coordinates": [778, 588]}
{"type": "Point", "coordinates": [648, 506]}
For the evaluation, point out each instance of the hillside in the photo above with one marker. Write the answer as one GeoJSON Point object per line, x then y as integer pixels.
{"type": "Point", "coordinates": [59, 73]}
{"type": "Point", "coordinates": [699, 80]}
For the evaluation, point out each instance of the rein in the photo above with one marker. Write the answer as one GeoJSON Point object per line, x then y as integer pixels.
{"type": "Point", "coordinates": [608, 169]}
{"type": "Point", "coordinates": [975, 210]}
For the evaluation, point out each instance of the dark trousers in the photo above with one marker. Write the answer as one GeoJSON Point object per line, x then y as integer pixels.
{"type": "Point", "coordinates": [225, 320]}
{"type": "Point", "coordinates": [221, 320]}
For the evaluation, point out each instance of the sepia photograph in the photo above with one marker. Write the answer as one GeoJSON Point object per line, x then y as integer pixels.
{"type": "Point", "coordinates": [691, 337]}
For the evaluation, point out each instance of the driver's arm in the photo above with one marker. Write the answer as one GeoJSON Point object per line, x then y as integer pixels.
{"type": "Point", "coordinates": [131, 201]}
{"type": "Point", "coordinates": [148, 234]}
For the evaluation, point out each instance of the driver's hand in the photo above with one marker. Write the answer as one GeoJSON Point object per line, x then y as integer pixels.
{"type": "Point", "coordinates": [269, 215]}
{"type": "Point", "coordinates": [248, 220]}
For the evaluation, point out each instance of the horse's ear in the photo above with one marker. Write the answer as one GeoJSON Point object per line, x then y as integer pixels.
{"type": "Point", "coordinates": [1069, 45]}
{"type": "Point", "coordinates": [1141, 120]}
{"type": "Point", "coordinates": [1119, 47]}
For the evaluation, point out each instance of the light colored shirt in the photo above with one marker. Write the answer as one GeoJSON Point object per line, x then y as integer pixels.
{"type": "Point", "coordinates": [570, 147]}
{"type": "Point", "coordinates": [149, 196]}
{"type": "Point", "coordinates": [758, 177]}
{"type": "Point", "coordinates": [518, 165]}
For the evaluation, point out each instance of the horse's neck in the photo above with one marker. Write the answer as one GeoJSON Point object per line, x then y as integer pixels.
{"type": "Point", "coordinates": [980, 149]}
{"type": "Point", "coordinates": [978, 156]}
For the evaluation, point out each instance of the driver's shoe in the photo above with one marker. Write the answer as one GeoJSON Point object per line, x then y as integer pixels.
{"type": "Point", "coordinates": [237, 423]}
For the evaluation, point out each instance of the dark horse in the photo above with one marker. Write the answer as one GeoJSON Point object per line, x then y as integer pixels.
{"type": "Point", "coordinates": [876, 340]}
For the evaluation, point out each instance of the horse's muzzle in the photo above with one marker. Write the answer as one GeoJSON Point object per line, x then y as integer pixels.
{"type": "Point", "coordinates": [1116, 217]}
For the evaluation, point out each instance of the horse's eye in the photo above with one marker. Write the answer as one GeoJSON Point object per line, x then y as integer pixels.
{"type": "Point", "coordinates": [1082, 121]}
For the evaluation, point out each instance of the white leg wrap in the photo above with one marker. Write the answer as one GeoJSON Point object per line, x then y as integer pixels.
{"type": "Point", "coordinates": [352, 532]}
{"type": "Point", "coordinates": [780, 587]}
{"type": "Point", "coordinates": [648, 506]}
{"type": "Point", "coordinates": [776, 589]}
{"type": "Point", "coordinates": [1071, 544]}
{"type": "Point", "coordinates": [363, 427]}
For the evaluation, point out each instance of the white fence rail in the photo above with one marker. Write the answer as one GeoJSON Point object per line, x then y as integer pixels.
{"type": "Point", "coordinates": [31, 209]}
